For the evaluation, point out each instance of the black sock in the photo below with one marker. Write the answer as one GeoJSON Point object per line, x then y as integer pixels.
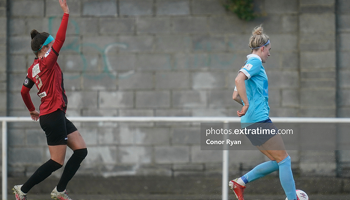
{"type": "Point", "coordinates": [71, 168]}
{"type": "Point", "coordinates": [40, 174]}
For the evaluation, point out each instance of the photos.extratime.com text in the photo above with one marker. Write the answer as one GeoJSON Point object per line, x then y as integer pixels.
{"type": "Point", "coordinates": [248, 131]}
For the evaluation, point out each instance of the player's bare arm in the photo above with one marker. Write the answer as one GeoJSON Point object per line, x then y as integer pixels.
{"type": "Point", "coordinates": [236, 97]}
{"type": "Point", "coordinates": [241, 89]}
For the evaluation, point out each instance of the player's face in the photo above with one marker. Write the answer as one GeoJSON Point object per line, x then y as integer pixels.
{"type": "Point", "coordinates": [265, 53]}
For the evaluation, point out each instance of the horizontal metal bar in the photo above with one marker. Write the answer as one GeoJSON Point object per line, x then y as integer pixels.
{"type": "Point", "coordinates": [186, 119]}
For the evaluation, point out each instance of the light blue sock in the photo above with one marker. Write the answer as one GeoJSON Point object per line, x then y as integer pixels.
{"type": "Point", "coordinates": [260, 171]}
{"type": "Point", "coordinates": [286, 178]}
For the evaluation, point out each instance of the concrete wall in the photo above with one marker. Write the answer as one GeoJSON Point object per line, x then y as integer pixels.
{"type": "Point", "coordinates": [3, 60]}
{"type": "Point", "coordinates": [174, 58]}
{"type": "Point", "coordinates": [343, 71]}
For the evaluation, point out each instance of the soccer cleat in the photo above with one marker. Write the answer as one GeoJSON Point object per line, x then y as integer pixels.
{"type": "Point", "coordinates": [59, 195]}
{"type": "Point", "coordinates": [237, 189]}
{"type": "Point", "coordinates": [18, 193]}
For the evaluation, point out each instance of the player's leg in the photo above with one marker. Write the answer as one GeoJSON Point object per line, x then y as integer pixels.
{"type": "Point", "coordinates": [275, 147]}
{"type": "Point", "coordinates": [57, 159]}
{"type": "Point", "coordinates": [266, 153]}
{"type": "Point", "coordinates": [261, 170]}
{"type": "Point", "coordinates": [76, 141]}
{"type": "Point", "coordinates": [77, 144]}
{"type": "Point", "coordinates": [44, 171]}
{"type": "Point", "coordinates": [56, 135]}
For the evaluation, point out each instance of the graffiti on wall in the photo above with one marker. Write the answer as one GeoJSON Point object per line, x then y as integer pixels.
{"type": "Point", "coordinates": [203, 59]}
{"type": "Point", "coordinates": [75, 45]}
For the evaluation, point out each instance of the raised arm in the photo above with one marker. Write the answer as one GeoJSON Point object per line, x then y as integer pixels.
{"type": "Point", "coordinates": [61, 33]}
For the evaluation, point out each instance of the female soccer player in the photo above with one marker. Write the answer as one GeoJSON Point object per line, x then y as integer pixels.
{"type": "Point", "coordinates": [252, 92]}
{"type": "Point", "coordinates": [46, 74]}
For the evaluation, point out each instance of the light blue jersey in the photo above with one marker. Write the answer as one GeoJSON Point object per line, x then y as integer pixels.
{"type": "Point", "coordinates": [257, 90]}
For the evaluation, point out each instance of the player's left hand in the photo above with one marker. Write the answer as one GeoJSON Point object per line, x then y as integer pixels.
{"type": "Point", "coordinates": [243, 111]}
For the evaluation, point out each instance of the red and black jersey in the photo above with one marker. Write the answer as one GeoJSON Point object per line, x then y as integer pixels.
{"type": "Point", "coordinates": [46, 74]}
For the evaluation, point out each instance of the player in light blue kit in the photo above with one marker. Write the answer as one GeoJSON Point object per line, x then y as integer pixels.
{"type": "Point", "coordinates": [252, 92]}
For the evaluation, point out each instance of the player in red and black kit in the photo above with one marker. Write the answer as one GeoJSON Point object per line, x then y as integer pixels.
{"type": "Point", "coordinates": [46, 74]}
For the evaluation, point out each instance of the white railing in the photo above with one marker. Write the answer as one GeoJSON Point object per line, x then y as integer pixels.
{"type": "Point", "coordinates": [225, 158]}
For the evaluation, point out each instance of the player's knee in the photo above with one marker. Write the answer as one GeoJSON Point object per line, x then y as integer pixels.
{"type": "Point", "coordinates": [53, 165]}
{"type": "Point", "coordinates": [80, 154]}
{"type": "Point", "coordinates": [282, 158]}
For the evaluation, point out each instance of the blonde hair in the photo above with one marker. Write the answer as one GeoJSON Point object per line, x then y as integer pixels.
{"type": "Point", "coordinates": [258, 38]}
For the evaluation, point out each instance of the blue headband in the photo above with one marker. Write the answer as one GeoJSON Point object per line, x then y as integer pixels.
{"type": "Point", "coordinates": [47, 41]}
{"type": "Point", "coordinates": [267, 43]}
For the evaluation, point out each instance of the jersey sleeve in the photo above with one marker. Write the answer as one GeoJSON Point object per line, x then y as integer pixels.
{"type": "Point", "coordinates": [28, 82]}
{"type": "Point", "coordinates": [61, 34]}
{"type": "Point", "coordinates": [52, 55]}
{"type": "Point", "coordinates": [251, 68]}
{"type": "Point", "coordinates": [27, 85]}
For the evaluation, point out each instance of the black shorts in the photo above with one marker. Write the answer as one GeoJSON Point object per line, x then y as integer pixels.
{"type": "Point", "coordinates": [260, 139]}
{"type": "Point", "coordinates": [56, 127]}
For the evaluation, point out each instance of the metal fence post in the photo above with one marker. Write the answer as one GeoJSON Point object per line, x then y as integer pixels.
{"type": "Point", "coordinates": [225, 164]}
{"type": "Point", "coordinates": [4, 160]}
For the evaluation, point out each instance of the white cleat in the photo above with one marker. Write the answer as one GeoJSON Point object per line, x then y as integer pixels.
{"type": "Point", "coordinates": [18, 193]}
{"type": "Point", "coordinates": [59, 195]}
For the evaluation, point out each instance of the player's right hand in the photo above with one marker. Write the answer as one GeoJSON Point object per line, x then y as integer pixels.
{"type": "Point", "coordinates": [64, 6]}
{"type": "Point", "coordinates": [34, 115]}
{"type": "Point", "coordinates": [243, 111]}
